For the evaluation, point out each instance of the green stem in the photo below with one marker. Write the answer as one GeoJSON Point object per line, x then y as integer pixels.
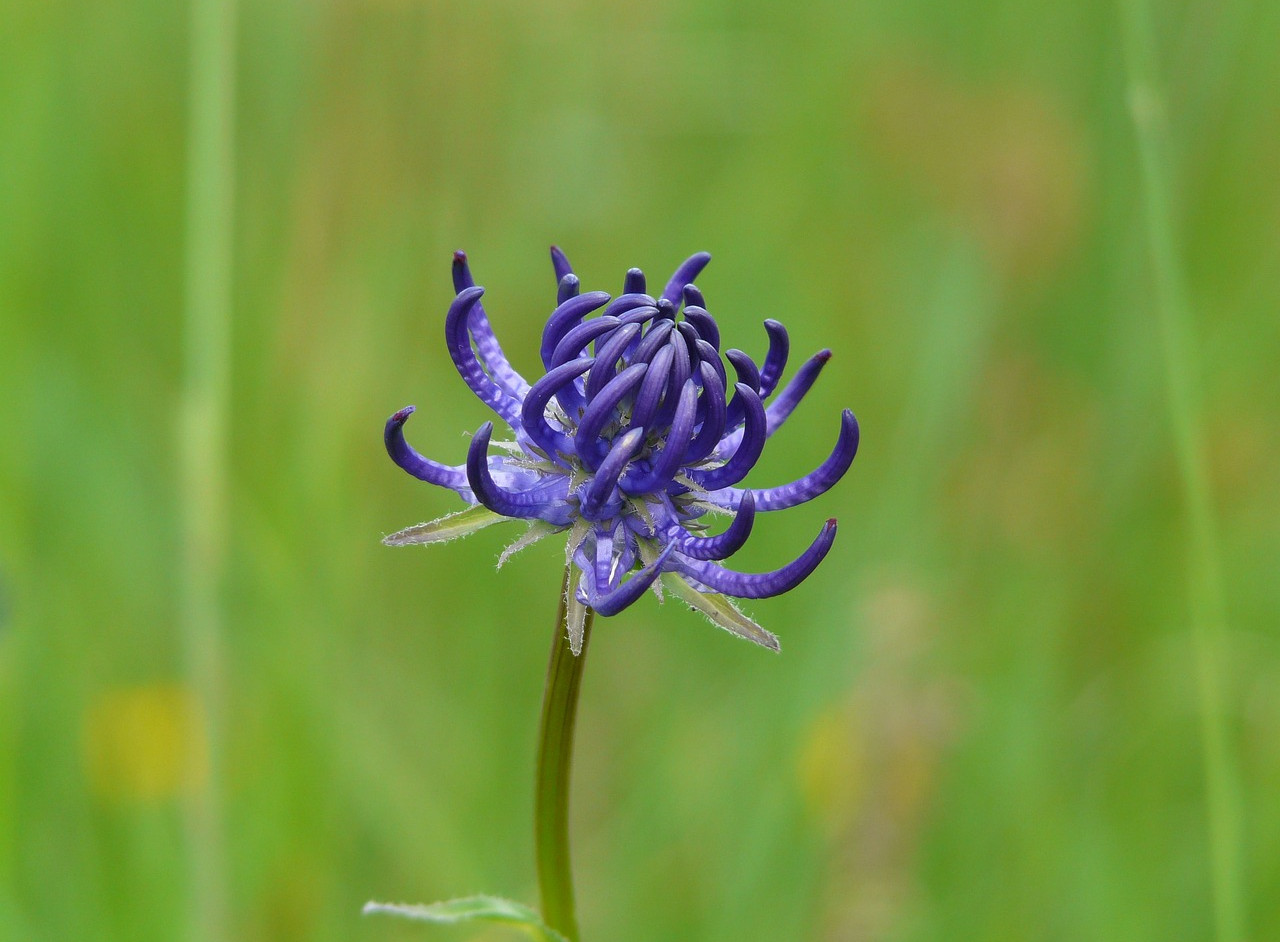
{"type": "Point", "coordinates": [555, 755]}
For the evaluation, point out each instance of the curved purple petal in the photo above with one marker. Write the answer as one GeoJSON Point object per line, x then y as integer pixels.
{"type": "Point", "coordinates": [564, 318]}
{"type": "Point", "coordinates": [681, 369]}
{"type": "Point", "coordinates": [704, 322]}
{"type": "Point", "coordinates": [652, 342]}
{"type": "Point", "coordinates": [638, 315]}
{"type": "Point", "coordinates": [748, 451]}
{"type": "Point", "coordinates": [761, 585]}
{"type": "Point", "coordinates": [490, 351]}
{"type": "Point", "coordinates": [574, 343]}
{"type": "Point", "coordinates": [693, 297]}
{"type": "Point", "coordinates": [690, 333]}
{"type": "Point", "coordinates": [607, 356]}
{"type": "Point", "coordinates": [626, 303]}
{"type": "Point", "coordinates": [652, 386]}
{"type": "Point", "coordinates": [811, 485]}
{"type": "Point", "coordinates": [745, 369]}
{"type": "Point", "coordinates": [775, 361]}
{"type": "Point", "coordinates": [713, 422]}
{"type": "Point", "coordinates": [533, 412]}
{"type": "Point", "coordinates": [794, 391]}
{"type": "Point", "coordinates": [424, 469]}
{"type": "Point", "coordinates": [674, 449]}
{"type": "Point", "coordinates": [458, 339]}
{"type": "Point", "coordinates": [569, 287]}
{"type": "Point", "coordinates": [528, 504]}
{"type": "Point", "coordinates": [600, 410]}
{"type": "Point", "coordinates": [786, 401]}
{"type": "Point", "coordinates": [709, 354]}
{"type": "Point", "coordinates": [724, 544]}
{"type": "Point", "coordinates": [560, 263]}
{"type": "Point", "coordinates": [601, 488]}
{"type": "Point", "coordinates": [689, 269]}
{"type": "Point", "coordinates": [634, 282]}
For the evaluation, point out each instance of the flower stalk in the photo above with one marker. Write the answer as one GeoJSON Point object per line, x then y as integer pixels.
{"type": "Point", "coordinates": [555, 756]}
{"type": "Point", "coordinates": [628, 445]}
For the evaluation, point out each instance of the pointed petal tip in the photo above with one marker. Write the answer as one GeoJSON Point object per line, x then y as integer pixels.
{"type": "Point", "coordinates": [822, 356]}
{"type": "Point", "coordinates": [762, 585]}
{"type": "Point", "coordinates": [560, 263]}
{"type": "Point", "coordinates": [424, 469]}
{"type": "Point", "coordinates": [850, 429]}
{"type": "Point", "coordinates": [461, 272]}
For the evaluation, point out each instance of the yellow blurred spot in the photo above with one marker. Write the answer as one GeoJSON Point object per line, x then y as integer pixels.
{"type": "Point", "coordinates": [830, 769]}
{"type": "Point", "coordinates": [145, 743]}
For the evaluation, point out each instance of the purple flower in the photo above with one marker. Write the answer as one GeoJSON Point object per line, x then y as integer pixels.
{"type": "Point", "coordinates": [629, 441]}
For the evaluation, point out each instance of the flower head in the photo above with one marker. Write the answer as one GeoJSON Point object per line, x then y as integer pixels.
{"type": "Point", "coordinates": [630, 440]}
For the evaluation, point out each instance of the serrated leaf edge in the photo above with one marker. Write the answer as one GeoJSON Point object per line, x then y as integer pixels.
{"type": "Point", "coordinates": [484, 908]}
{"type": "Point", "coordinates": [449, 527]}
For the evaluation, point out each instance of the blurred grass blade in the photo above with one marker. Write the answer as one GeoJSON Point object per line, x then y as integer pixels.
{"type": "Point", "coordinates": [202, 437]}
{"type": "Point", "coordinates": [470, 909]}
{"type": "Point", "coordinates": [1204, 579]}
{"type": "Point", "coordinates": [463, 523]}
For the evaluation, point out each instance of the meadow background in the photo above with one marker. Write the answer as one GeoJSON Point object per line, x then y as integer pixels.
{"type": "Point", "coordinates": [228, 713]}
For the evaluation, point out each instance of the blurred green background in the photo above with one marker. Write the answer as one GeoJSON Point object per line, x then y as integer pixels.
{"type": "Point", "coordinates": [986, 721]}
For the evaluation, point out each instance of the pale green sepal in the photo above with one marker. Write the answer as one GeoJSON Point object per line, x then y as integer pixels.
{"type": "Point", "coordinates": [463, 523]}
{"type": "Point", "coordinates": [537, 530]}
{"type": "Point", "coordinates": [721, 611]}
{"type": "Point", "coordinates": [706, 507]}
{"type": "Point", "coordinates": [575, 616]}
{"type": "Point", "coordinates": [641, 509]}
{"type": "Point", "coordinates": [469, 909]}
{"type": "Point", "coordinates": [648, 555]}
{"type": "Point", "coordinates": [576, 535]}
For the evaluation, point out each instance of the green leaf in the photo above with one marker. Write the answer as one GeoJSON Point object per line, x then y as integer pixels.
{"type": "Point", "coordinates": [463, 523]}
{"type": "Point", "coordinates": [470, 909]}
{"type": "Point", "coordinates": [721, 611]}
